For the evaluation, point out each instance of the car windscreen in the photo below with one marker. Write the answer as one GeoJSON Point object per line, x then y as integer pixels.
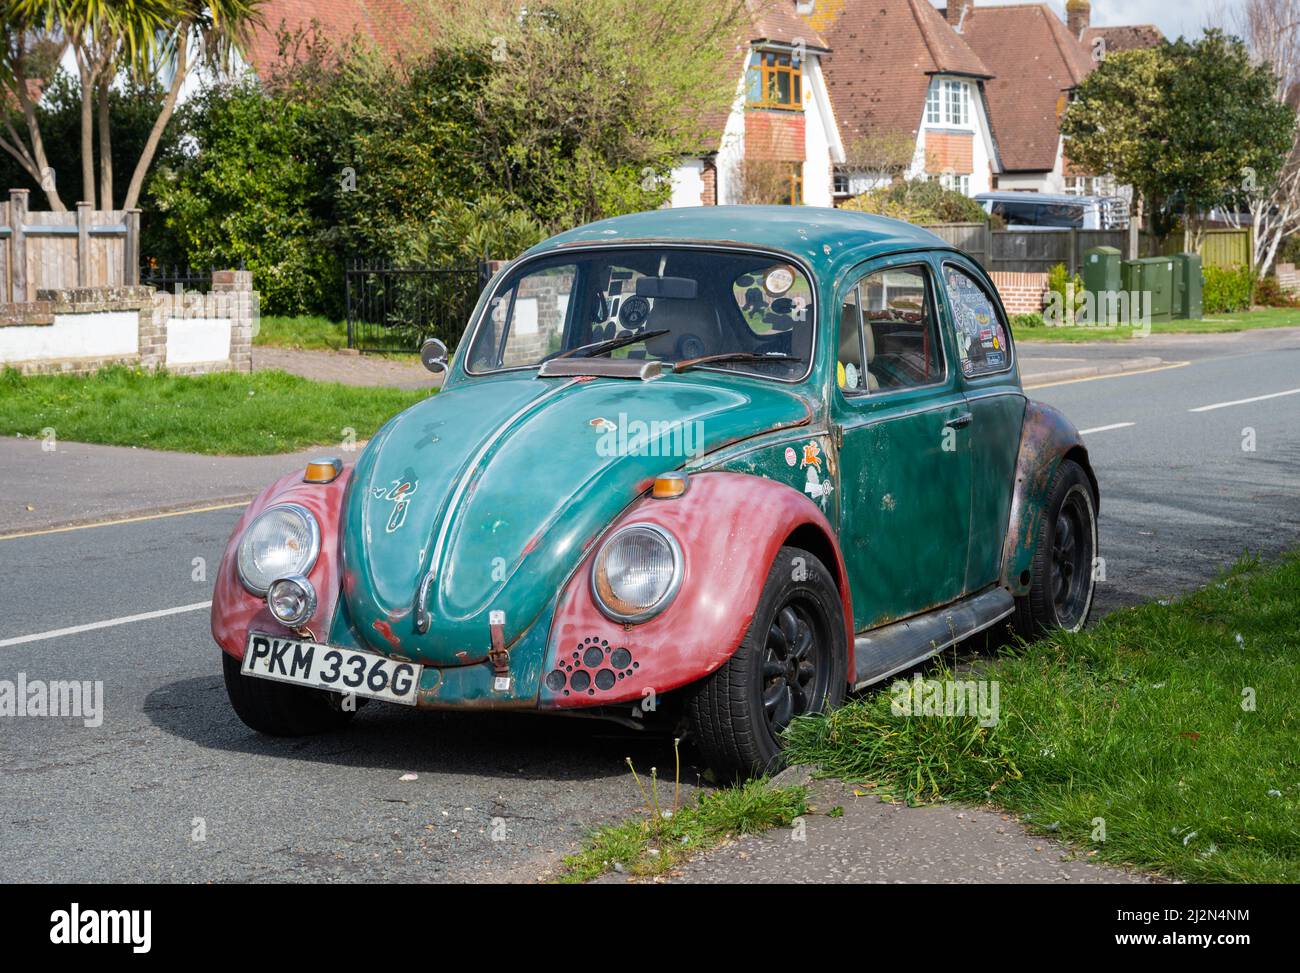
{"type": "Point", "coordinates": [689, 304]}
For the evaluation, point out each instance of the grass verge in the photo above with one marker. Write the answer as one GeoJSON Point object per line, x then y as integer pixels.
{"type": "Point", "coordinates": [1169, 729]}
{"type": "Point", "coordinates": [309, 332]}
{"type": "Point", "coordinates": [1212, 324]}
{"type": "Point", "coordinates": [230, 413]}
{"type": "Point", "coordinates": [661, 839]}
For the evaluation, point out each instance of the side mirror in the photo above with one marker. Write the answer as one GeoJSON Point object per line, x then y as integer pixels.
{"type": "Point", "coordinates": [433, 353]}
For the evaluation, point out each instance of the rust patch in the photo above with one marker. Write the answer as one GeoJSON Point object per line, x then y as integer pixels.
{"type": "Point", "coordinates": [386, 630]}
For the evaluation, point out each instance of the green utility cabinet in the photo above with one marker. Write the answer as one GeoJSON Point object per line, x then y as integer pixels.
{"type": "Point", "coordinates": [1187, 286]}
{"type": "Point", "coordinates": [1102, 277]}
{"type": "Point", "coordinates": [1150, 281]}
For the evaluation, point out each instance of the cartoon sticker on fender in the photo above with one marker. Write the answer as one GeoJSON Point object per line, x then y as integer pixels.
{"type": "Point", "coordinates": [814, 486]}
{"type": "Point", "coordinates": [399, 494]}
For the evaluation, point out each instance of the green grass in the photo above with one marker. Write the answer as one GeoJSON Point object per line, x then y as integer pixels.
{"type": "Point", "coordinates": [1274, 317]}
{"type": "Point", "coordinates": [660, 839]}
{"type": "Point", "coordinates": [1138, 721]}
{"type": "Point", "coordinates": [308, 332]}
{"type": "Point", "coordinates": [221, 413]}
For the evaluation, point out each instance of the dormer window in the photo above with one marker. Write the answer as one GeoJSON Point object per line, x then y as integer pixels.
{"type": "Point", "coordinates": [947, 103]}
{"type": "Point", "coordinates": [775, 80]}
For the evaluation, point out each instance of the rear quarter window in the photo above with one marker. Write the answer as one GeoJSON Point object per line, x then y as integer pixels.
{"type": "Point", "coordinates": [982, 342]}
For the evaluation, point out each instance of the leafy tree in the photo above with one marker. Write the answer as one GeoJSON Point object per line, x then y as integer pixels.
{"type": "Point", "coordinates": [139, 38]}
{"type": "Point", "coordinates": [251, 195]}
{"type": "Point", "coordinates": [589, 103]}
{"type": "Point", "coordinates": [1187, 124]}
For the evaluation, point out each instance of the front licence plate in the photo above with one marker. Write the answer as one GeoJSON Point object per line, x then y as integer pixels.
{"type": "Point", "coordinates": [344, 671]}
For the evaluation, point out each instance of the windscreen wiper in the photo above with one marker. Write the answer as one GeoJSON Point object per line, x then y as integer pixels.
{"type": "Point", "coordinates": [610, 344]}
{"type": "Point", "coordinates": [750, 356]}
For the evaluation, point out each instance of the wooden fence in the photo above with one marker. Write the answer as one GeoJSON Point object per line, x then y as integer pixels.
{"type": "Point", "coordinates": [1037, 251]}
{"type": "Point", "coordinates": [1219, 247]}
{"type": "Point", "coordinates": [46, 250]}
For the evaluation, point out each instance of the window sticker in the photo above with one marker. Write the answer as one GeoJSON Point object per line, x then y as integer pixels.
{"type": "Point", "coordinates": [981, 335]}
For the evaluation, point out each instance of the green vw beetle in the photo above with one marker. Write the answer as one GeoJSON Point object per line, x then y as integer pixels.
{"type": "Point", "coordinates": [718, 466]}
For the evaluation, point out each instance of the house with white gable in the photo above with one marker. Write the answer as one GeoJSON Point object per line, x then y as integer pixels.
{"type": "Point", "coordinates": [899, 75]}
{"type": "Point", "coordinates": [779, 141]}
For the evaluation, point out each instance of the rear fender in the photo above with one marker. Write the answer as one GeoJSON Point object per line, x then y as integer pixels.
{"type": "Point", "coordinates": [235, 610]}
{"type": "Point", "coordinates": [1046, 438]}
{"type": "Point", "coordinates": [730, 527]}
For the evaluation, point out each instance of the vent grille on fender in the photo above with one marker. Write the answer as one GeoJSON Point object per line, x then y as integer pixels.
{"type": "Point", "coordinates": [592, 666]}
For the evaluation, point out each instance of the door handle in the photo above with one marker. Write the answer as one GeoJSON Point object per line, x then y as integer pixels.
{"type": "Point", "coordinates": [957, 422]}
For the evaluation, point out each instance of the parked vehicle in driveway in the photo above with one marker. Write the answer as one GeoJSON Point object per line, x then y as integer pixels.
{"type": "Point", "coordinates": [1046, 211]}
{"type": "Point", "coordinates": [717, 465]}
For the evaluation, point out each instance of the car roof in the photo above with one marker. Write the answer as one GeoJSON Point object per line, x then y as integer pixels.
{"type": "Point", "coordinates": [1028, 197]}
{"type": "Point", "coordinates": [824, 237]}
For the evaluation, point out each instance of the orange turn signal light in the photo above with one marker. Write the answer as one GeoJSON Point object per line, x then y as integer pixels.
{"type": "Point", "coordinates": [323, 469]}
{"type": "Point", "coordinates": [669, 485]}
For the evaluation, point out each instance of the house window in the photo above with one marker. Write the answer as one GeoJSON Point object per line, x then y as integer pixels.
{"type": "Point", "coordinates": [955, 97]}
{"type": "Point", "coordinates": [841, 182]}
{"type": "Point", "coordinates": [775, 81]}
{"type": "Point", "coordinates": [947, 103]}
{"type": "Point", "coordinates": [933, 107]}
{"type": "Point", "coordinates": [955, 181]}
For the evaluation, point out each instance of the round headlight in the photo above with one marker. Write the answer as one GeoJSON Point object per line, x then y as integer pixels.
{"type": "Point", "coordinates": [637, 573]}
{"type": "Point", "coordinates": [291, 600]}
{"type": "Point", "coordinates": [283, 540]}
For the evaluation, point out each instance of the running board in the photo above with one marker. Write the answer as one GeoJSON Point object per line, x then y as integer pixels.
{"type": "Point", "coordinates": [900, 646]}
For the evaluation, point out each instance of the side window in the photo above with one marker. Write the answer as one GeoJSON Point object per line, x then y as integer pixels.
{"type": "Point", "coordinates": [848, 370]}
{"type": "Point", "coordinates": [899, 333]}
{"type": "Point", "coordinates": [981, 332]}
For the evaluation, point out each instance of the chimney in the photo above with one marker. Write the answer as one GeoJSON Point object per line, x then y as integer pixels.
{"type": "Point", "coordinates": [1078, 15]}
{"type": "Point", "coordinates": [959, 10]}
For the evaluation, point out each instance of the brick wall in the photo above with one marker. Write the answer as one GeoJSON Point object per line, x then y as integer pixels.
{"type": "Point", "coordinates": [949, 152]}
{"type": "Point", "coordinates": [775, 136]}
{"type": "Point", "coordinates": [82, 329]}
{"type": "Point", "coordinates": [709, 176]}
{"type": "Point", "coordinates": [1021, 293]}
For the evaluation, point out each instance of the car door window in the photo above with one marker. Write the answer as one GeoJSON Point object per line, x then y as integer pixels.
{"type": "Point", "coordinates": [849, 372]}
{"type": "Point", "coordinates": [900, 338]}
{"type": "Point", "coordinates": [981, 333]}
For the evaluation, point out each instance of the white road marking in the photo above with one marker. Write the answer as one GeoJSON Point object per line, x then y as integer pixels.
{"type": "Point", "coordinates": [1257, 398]}
{"type": "Point", "coordinates": [1113, 425]}
{"type": "Point", "coordinates": [124, 620]}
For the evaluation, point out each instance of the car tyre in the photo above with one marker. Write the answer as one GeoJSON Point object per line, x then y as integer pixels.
{"type": "Point", "coordinates": [791, 662]}
{"type": "Point", "coordinates": [281, 710]}
{"type": "Point", "coordinates": [1063, 581]}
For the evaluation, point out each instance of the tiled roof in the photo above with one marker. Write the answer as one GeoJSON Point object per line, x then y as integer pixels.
{"type": "Point", "coordinates": [1035, 62]}
{"type": "Point", "coordinates": [776, 20]}
{"type": "Point", "coordinates": [386, 23]}
{"type": "Point", "coordinates": [1124, 38]}
{"type": "Point", "coordinates": [882, 55]}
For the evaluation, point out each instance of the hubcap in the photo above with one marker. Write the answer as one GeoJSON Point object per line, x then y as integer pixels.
{"type": "Point", "coordinates": [793, 670]}
{"type": "Point", "coordinates": [1072, 561]}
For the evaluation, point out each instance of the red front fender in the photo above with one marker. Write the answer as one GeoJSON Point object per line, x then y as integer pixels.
{"type": "Point", "coordinates": [235, 610]}
{"type": "Point", "coordinates": [730, 527]}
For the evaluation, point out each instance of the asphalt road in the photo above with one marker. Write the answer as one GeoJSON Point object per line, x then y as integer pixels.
{"type": "Point", "coordinates": [171, 787]}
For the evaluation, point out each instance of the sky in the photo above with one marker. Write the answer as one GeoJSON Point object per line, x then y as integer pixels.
{"type": "Point", "coordinates": [1173, 17]}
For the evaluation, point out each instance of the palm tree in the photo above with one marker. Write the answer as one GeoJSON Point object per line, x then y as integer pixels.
{"type": "Point", "coordinates": [209, 33]}
{"type": "Point", "coordinates": [139, 37]}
